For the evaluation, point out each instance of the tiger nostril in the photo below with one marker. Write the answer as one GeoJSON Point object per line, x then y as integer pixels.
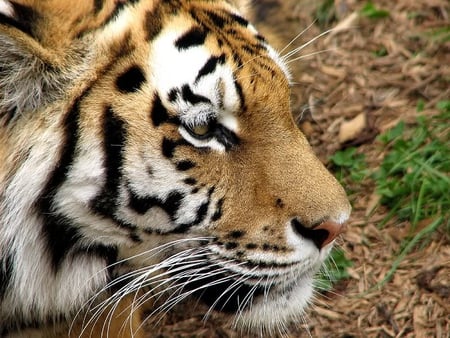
{"type": "Point", "coordinates": [322, 234]}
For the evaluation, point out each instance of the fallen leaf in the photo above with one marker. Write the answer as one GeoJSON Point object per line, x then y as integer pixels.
{"type": "Point", "coordinates": [349, 130]}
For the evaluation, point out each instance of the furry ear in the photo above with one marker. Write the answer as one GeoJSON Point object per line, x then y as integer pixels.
{"type": "Point", "coordinates": [30, 75]}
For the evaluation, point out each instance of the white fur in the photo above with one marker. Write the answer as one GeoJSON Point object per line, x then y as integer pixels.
{"type": "Point", "coordinates": [6, 8]}
{"type": "Point", "coordinates": [279, 61]}
{"type": "Point", "coordinates": [34, 284]}
{"type": "Point", "coordinates": [172, 68]}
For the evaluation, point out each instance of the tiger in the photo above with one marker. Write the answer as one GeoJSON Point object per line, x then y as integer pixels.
{"type": "Point", "coordinates": [149, 155]}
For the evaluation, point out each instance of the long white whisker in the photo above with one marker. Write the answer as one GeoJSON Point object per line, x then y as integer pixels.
{"type": "Point", "coordinates": [310, 54]}
{"type": "Point", "coordinates": [175, 300]}
{"type": "Point", "coordinates": [117, 296]}
{"type": "Point", "coordinates": [141, 282]}
{"type": "Point", "coordinates": [298, 49]}
{"type": "Point", "coordinates": [242, 279]}
{"type": "Point", "coordinates": [297, 36]}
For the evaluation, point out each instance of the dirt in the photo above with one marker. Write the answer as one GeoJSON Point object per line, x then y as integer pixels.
{"type": "Point", "coordinates": [373, 70]}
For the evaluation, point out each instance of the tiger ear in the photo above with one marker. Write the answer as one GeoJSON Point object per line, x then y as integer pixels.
{"type": "Point", "coordinates": [29, 73]}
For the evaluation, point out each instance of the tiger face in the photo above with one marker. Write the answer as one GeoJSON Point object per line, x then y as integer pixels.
{"type": "Point", "coordinates": [151, 143]}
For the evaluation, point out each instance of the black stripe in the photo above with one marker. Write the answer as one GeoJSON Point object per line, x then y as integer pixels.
{"type": "Point", "coordinates": [196, 36]}
{"type": "Point", "coordinates": [253, 49]}
{"type": "Point", "coordinates": [185, 165]}
{"type": "Point", "coordinates": [188, 95]}
{"type": "Point", "coordinates": [173, 94]}
{"type": "Point", "coordinates": [239, 19]}
{"type": "Point", "coordinates": [6, 20]}
{"type": "Point", "coordinates": [217, 20]}
{"type": "Point", "coordinates": [114, 134]}
{"type": "Point", "coordinates": [210, 66]}
{"type": "Point", "coordinates": [61, 235]}
{"type": "Point", "coordinates": [261, 38]}
{"type": "Point", "coordinates": [218, 213]}
{"type": "Point", "coordinates": [200, 214]}
{"type": "Point", "coordinates": [131, 80]}
{"type": "Point", "coordinates": [153, 23]}
{"type": "Point", "coordinates": [98, 5]}
{"type": "Point", "coordinates": [143, 204]}
{"type": "Point", "coordinates": [158, 113]}
{"type": "Point", "coordinates": [190, 181]}
{"type": "Point", "coordinates": [225, 136]}
{"type": "Point", "coordinates": [6, 270]}
{"type": "Point", "coordinates": [168, 147]}
{"type": "Point", "coordinates": [240, 93]}
{"type": "Point", "coordinates": [238, 60]}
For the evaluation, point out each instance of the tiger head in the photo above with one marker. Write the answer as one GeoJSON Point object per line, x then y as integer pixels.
{"type": "Point", "coordinates": [152, 141]}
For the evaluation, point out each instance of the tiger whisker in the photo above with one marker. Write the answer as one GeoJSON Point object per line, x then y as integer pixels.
{"type": "Point", "coordinates": [238, 281]}
{"type": "Point", "coordinates": [298, 49]}
{"type": "Point", "coordinates": [119, 295]}
{"type": "Point", "coordinates": [297, 36]}
{"type": "Point", "coordinates": [140, 300]}
{"type": "Point", "coordinates": [146, 271]}
{"type": "Point", "coordinates": [311, 54]}
{"type": "Point", "coordinates": [172, 301]}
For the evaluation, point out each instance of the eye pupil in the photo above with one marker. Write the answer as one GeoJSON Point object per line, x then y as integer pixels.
{"type": "Point", "coordinates": [201, 130]}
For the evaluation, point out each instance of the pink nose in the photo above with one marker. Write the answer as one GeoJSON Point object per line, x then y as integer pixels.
{"type": "Point", "coordinates": [333, 229]}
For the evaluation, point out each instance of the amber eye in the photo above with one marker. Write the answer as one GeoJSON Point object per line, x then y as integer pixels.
{"type": "Point", "coordinates": [201, 131]}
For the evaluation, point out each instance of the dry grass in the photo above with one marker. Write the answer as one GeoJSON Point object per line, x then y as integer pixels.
{"type": "Point", "coordinates": [379, 68]}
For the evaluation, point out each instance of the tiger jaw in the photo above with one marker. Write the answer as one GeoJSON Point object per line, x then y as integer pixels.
{"type": "Point", "coordinates": [260, 290]}
{"type": "Point", "coordinates": [256, 294]}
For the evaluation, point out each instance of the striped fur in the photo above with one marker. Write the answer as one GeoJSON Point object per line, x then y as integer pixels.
{"type": "Point", "coordinates": [150, 143]}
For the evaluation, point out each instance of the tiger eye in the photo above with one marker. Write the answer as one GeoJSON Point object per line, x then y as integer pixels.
{"type": "Point", "coordinates": [201, 130]}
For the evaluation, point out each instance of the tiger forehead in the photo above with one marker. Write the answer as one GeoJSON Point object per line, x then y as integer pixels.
{"type": "Point", "coordinates": [215, 24]}
{"type": "Point", "coordinates": [217, 27]}
{"type": "Point", "coordinates": [212, 52]}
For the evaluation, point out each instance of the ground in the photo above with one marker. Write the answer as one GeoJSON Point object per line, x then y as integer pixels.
{"type": "Point", "coordinates": [350, 85]}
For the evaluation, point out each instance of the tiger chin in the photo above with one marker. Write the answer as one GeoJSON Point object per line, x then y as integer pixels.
{"type": "Point", "coordinates": [148, 155]}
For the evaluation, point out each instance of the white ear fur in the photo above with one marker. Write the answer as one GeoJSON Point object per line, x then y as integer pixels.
{"type": "Point", "coordinates": [6, 8]}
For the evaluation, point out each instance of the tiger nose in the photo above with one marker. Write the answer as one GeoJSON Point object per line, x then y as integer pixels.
{"type": "Point", "coordinates": [322, 234]}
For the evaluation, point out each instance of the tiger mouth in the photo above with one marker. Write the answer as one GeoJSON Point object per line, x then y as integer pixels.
{"type": "Point", "coordinates": [224, 289]}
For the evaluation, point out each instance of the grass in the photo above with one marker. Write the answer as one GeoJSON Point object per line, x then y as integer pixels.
{"type": "Point", "coordinates": [334, 271]}
{"type": "Point", "coordinates": [413, 177]}
{"type": "Point", "coordinates": [413, 182]}
{"type": "Point", "coordinates": [370, 11]}
{"type": "Point", "coordinates": [349, 167]}
{"type": "Point", "coordinates": [325, 13]}
{"type": "Point", "coordinates": [440, 34]}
